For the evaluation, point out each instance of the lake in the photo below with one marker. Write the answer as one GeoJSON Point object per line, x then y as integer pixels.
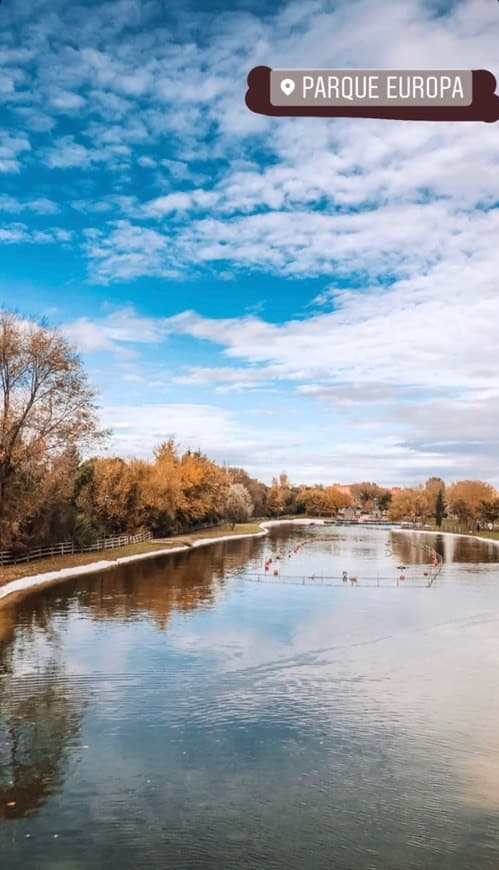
{"type": "Point", "coordinates": [181, 712]}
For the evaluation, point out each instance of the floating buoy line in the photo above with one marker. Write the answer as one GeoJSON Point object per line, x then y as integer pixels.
{"type": "Point", "coordinates": [430, 571]}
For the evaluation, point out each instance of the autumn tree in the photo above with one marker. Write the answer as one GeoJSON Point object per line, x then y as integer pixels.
{"type": "Point", "coordinates": [46, 407]}
{"type": "Point", "coordinates": [49, 514]}
{"type": "Point", "coordinates": [489, 510]}
{"type": "Point", "coordinates": [203, 490]}
{"type": "Point", "coordinates": [161, 489]}
{"type": "Point", "coordinates": [322, 500]}
{"type": "Point", "coordinates": [108, 495]}
{"type": "Point", "coordinates": [411, 503]}
{"type": "Point", "coordinates": [367, 495]}
{"type": "Point", "coordinates": [239, 506]}
{"type": "Point", "coordinates": [281, 496]}
{"type": "Point", "coordinates": [257, 490]}
{"type": "Point", "coordinates": [465, 498]}
{"type": "Point", "coordinates": [311, 500]}
{"type": "Point", "coordinates": [336, 500]}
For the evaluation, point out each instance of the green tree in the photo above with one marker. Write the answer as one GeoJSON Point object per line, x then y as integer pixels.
{"type": "Point", "coordinates": [435, 487]}
{"type": "Point", "coordinates": [439, 508]}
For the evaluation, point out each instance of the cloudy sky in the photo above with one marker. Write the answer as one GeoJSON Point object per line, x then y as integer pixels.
{"type": "Point", "coordinates": [306, 294]}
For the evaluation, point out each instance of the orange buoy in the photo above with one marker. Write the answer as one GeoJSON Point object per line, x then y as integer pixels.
{"type": "Point", "coordinates": [276, 573]}
{"type": "Point", "coordinates": [402, 577]}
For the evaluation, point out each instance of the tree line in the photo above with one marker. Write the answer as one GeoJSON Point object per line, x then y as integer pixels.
{"type": "Point", "coordinates": [51, 491]}
{"type": "Point", "coordinates": [466, 502]}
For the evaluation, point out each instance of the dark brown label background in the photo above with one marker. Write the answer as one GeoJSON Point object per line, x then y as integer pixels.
{"type": "Point", "coordinates": [485, 105]}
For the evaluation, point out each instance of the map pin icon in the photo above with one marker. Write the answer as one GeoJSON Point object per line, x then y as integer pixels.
{"type": "Point", "coordinates": [287, 87]}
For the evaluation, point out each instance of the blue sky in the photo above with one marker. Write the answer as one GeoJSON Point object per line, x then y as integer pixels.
{"type": "Point", "coordinates": [302, 294]}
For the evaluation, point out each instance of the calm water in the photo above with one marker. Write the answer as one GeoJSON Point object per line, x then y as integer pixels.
{"type": "Point", "coordinates": [177, 714]}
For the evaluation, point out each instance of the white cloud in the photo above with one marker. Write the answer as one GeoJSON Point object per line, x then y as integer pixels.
{"type": "Point", "coordinates": [128, 251]}
{"type": "Point", "coordinates": [179, 202]}
{"type": "Point", "coordinates": [20, 233]}
{"type": "Point", "coordinates": [66, 101]}
{"type": "Point", "coordinates": [408, 210]}
{"type": "Point", "coordinates": [437, 329]}
{"type": "Point", "coordinates": [11, 147]}
{"type": "Point", "coordinates": [409, 414]}
{"type": "Point", "coordinates": [138, 429]}
{"type": "Point", "coordinates": [40, 205]}
{"type": "Point", "coordinates": [66, 154]}
{"type": "Point", "coordinates": [120, 327]}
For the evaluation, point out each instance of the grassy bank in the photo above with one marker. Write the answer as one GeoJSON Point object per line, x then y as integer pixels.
{"type": "Point", "coordinates": [58, 563]}
{"type": "Point", "coordinates": [491, 535]}
{"type": "Point", "coordinates": [463, 530]}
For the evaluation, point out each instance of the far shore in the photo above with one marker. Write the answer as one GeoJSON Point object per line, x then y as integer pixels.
{"type": "Point", "coordinates": [19, 581]}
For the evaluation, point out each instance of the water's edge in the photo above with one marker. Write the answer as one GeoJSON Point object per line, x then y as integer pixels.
{"type": "Point", "coordinates": [23, 586]}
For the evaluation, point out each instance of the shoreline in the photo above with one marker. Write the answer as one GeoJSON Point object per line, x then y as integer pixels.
{"type": "Point", "coordinates": [16, 590]}
{"type": "Point", "coordinates": [452, 534]}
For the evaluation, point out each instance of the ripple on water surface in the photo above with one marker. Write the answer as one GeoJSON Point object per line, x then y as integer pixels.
{"type": "Point", "coordinates": [174, 713]}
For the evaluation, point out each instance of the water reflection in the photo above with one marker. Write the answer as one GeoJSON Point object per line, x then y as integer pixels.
{"type": "Point", "coordinates": [411, 548]}
{"type": "Point", "coordinates": [35, 731]}
{"type": "Point", "coordinates": [39, 715]}
{"type": "Point", "coordinates": [231, 724]}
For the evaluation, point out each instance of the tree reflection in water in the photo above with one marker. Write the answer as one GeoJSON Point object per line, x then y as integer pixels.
{"type": "Point", "coordinates": [157, 588]}
{"type": "Point", "coordinates": [39, 719]}
{"type": "Point", "coordinates": [411, 549]}
{"type": "Point", "coordinates": [40, 709]}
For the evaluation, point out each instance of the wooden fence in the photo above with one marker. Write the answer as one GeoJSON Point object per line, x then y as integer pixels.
{"type": "Point", "coordinates": [10, 557]}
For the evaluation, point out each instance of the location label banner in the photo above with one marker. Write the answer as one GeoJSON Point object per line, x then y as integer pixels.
{"type": "Point", "coordinates": [416, 95]}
